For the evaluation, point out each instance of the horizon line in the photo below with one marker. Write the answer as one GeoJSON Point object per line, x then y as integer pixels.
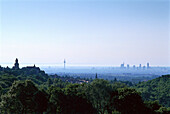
{"type": "Point", "coordinates": [78, 65]}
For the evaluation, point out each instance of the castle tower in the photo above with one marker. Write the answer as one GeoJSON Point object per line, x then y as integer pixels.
{"type": "Point", "coordinates": [16, 65]}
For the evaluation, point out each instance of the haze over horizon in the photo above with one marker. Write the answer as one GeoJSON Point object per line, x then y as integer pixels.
{"type": "Point", "coordinates": [85, 32]}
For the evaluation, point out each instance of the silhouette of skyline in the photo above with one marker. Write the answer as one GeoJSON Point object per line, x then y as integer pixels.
{"type": "Point", "coordinates": [85, 32]}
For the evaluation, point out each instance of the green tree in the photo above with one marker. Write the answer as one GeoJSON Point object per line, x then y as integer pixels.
{"type": "Point", "coordinates": [24, 97]}
{"type": "Point", "coordinates": [127, 101]}
{"type": "Point", "coordinates": [98, 92]}
{"type": "Point", "coordinates": [77, 101]}
{"type": "Point", "coordinates": [49, 82]}
{"type": "Point", "coordinates": [164, 110]}
{"type": "Point", "coordinates": [96, 76]}
{"type": "Point", "coordinates": [69, 100]}
{"type": "Point", "coordinates": [156, 89]}
{"type": "Point", "coordinates": [152, 105]}
{"type": "Point", "coordinates": [115, 80]}
{"type": "Point", "coordinates": [56, 100]}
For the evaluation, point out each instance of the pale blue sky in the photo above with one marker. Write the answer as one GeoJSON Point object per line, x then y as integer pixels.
{"type": "Point", "coordinates": [103, 32]}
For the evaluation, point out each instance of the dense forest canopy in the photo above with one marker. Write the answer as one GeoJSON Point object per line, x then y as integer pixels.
{"type": "Point", "coordinates": [156, 89]}
{"type": "Point", "coordinates": [30, 90]}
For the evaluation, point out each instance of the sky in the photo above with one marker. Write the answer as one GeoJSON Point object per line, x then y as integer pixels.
{"type": "Point", "coordinates": [85, 32]}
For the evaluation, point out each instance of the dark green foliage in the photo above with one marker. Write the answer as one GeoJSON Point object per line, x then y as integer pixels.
{"type": "Point", "coordinates": [96, 76]}
{"type": "Point", "coordinates": [163, 110]}
{"type": "Point", "coordinates": [59, 83]}
{"type": "Point", "coordinates": [115, 80]}
{"type": "Point", "coordinates": [98, 92]}
{"type": "Point", "coordinates": [69, 100]}
{"type": "Point", "coordinates": [156, 89]}
{"type": "Point", "coordinates": [30, 90]}
{"type": "Point", "coordinates": [128, 100]}
{"type": "Point", "coordinates": [49, 82]}
{"type": "Point", "coordinates": [24, 97]}
{"type": "Point", "coordinates": [126, 83]}
{"type": "Point", "coordinates": [56, 98]}
{"type": "Point", "coordinates": [117, 85]}
{"type": "Point", "coordinates": [8, 76]}
{"type": "Point", "coordinates": [152, 105]}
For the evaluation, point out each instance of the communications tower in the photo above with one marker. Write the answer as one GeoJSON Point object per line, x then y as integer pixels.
{"type": "Point", "coordinates": [64, 63]}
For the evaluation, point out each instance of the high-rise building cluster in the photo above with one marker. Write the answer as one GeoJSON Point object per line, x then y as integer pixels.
{"type": "Point", "coordinates": [122, 66]}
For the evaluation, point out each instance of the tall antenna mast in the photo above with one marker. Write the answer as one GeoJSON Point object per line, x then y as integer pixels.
{"type": "Point", "coordinates": [64, 63]}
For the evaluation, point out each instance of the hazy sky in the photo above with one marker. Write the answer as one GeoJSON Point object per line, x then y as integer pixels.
{"type": "Point", "coordinates": [95, 32]}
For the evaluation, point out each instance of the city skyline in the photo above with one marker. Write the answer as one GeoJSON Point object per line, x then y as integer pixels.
{"type": "Point", "coordinates": [122, 65]}
{"type": "Point", "coordinates": [85, 32]}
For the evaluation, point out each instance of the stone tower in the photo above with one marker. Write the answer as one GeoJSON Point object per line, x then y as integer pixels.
{"type": "Point", "coordinates": [16, 65]}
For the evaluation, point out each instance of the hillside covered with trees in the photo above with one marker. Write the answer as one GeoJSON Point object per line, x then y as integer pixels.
{"type": "Point", "coordinates": [156, 89]}
{"type": "Point", "coordinates": [30, 90]}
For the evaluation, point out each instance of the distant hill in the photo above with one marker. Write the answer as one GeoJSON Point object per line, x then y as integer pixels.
{"type": "Point", "coordinates": [156, 89]}
{"type": "Point", "coordinates": [31, 90]}
{"type": "Point", "coordinates": [8, 76]}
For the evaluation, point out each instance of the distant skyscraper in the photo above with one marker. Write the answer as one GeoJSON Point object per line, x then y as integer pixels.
{"type": "Point", "coordinates": [64, 63]}
{"type": "Point", "coordinates": [122, 65]}
{"type": "Point", "coordinates": [140, 66]}
{"type": "Point", "coordinates": [134, 66]}
{"type": "Point", "coordinates": [147, 65]}
{"type": "Point", "coordinates": [128, 66]}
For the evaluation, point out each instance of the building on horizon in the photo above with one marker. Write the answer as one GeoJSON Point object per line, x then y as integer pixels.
{"type": "Point", "coordinates": [128, 66]}
{"type": "Point", "coordinates": [16, 64]}
{"type": "Point", "coordinates": [134, 67]}
{"type": "Point", "coordinates": [148, 65]}
{"type": "Point", "coordinates": [64, 64]}
{"type": "Point", "coordinates": [122, 66]}
{"type": "Point", "coordinates": [140, 66]}
{"type": "Point", "coordinates": [31, 69]}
